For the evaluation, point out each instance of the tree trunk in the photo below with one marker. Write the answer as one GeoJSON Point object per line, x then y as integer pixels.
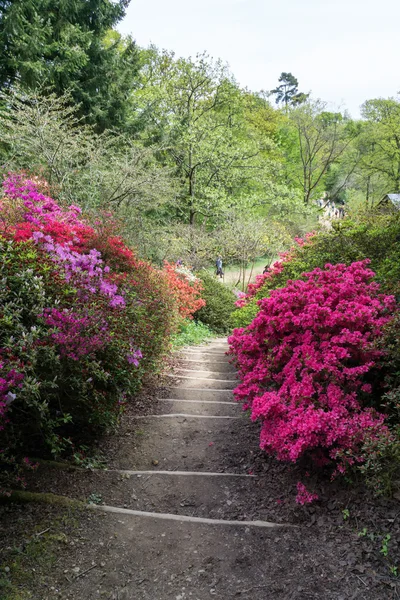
{"type": "Point", "coordinates": [251, 273]}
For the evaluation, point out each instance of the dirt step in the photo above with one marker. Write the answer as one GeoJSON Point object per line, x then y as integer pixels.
{"type": "Point", "coordinates": [149, 559]}
{"type": "Point", "coordinates": [197, 407]}
{"type": "Point", "coordinates": [217, 497]}
{"type": "Point", "coordinates": [204, 373]}
{"type": "Point", "coordinates": [220, 366]}
{"type": "Point", "coordinates": [196, 382]}
{"type": "Point", "coordinates": [219, 354]}
{"type": "Point", "coordinates": [199, 394]}
{"type": "Point", "coordinates": [203, 356]}
{"type": "Point", "coordinates": [185, 444]}
{"type": "Point", "coordinates": [187, 518]}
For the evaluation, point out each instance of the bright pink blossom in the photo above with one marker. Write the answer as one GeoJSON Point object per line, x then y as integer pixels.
{"type": "Point", "coordinates": [304, 496]}
{"type": "Point", "coordinates": [304, 360]}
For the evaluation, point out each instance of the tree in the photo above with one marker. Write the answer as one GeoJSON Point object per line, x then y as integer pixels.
{"type": "Point", "coordinates": [195, 110]}
{"type": "Point", "coordinates": [288, 92]}
{"type": "Point", "coordinates": [315, 140]}
{"type": "Point", "coordinates": [244, 238]}
{"type": "Point", "coordinates": [61, 43]}
{"type": "Point", "coordinates": [381, 142]}
{"type": "Point", "coordinates": [44, 134]}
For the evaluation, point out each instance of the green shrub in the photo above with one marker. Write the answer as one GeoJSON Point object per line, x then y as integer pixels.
{"type": "Point", "coordinates": [191, 333]}
{"type": "Point", "coordinates": [241, 317]}
{"type": "Point", "coordinates": [220, 303]}
{"type": "Point", "coordinates": [377, 237]}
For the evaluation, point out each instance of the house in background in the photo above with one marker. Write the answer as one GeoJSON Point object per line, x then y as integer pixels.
{"type": "Point", "coordinates": [390, 203]}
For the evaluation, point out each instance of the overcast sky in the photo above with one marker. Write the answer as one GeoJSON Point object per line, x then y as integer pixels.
{"type": "Point", "coordinates": [344, 51]}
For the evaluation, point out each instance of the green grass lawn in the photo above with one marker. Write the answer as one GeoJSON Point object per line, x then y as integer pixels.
{"type": "Point", "coordinates": [231, 272]}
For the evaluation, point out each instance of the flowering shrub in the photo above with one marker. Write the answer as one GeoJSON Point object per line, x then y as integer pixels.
{"type": "Point", "coordinates": [306, 362]}
{"type": "Point", "coordinates": [185, 289]}
{"type": "Point", "coordinates": [82, 320]}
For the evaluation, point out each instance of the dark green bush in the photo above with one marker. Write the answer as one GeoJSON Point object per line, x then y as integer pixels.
{"type": "Point", "coordinates": [381, 467]}
{"type": "Point", "coordinates": [220, 302]}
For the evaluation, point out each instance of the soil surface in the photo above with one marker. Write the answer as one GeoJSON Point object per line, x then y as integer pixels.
{"type": "Point", "coordinates": [345, 546]}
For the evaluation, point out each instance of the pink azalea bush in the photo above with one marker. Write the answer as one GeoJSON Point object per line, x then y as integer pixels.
{"type": "Point", "coordinates": [305, 364]}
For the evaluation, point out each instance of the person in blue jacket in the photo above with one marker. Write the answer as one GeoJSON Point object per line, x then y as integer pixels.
{"type": "Point", "coordinates": [218, 265]}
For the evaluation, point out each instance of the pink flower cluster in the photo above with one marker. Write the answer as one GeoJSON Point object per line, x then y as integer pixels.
{"type": "Point", "coordinates": [86, 271]}
{"type": "Point", "coordinates": [38, 208]}
{"type": "Point", "coordinates": [65, 237]}
{"type": "Point", "coordinates": [75, 334]}
{"type": "Point", "coordinates": [304, 363]}
{"type": "Point", "coordinates": [10, 382]}
{"type": "Point", "coordinates": [304, 496]}
{"type": "Point", "coordinates": [134, 356]}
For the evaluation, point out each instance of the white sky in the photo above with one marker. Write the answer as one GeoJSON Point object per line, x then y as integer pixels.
{"type": "Point", "coordinates": [344, 51]}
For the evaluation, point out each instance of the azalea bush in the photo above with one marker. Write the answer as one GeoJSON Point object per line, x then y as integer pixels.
{"type": "Point", "coordinates": [185, 288]}
{"type": "Point", "coordinates": [309, 367]}
{"type": "Point", "coordinates": [82, 320]}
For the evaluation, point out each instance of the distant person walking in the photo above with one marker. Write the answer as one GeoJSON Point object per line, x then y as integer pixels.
{"type": "Point", "coordinates": [218, 266]}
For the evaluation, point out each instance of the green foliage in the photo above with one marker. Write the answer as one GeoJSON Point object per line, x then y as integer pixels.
{"type": "Point", "coordinates": [241, 317]}
{"type": "Point", "coordinates": [381, 468]}
{"type": "Point", "coordinates": [220, 302]}
{"type": "Point", "coordinates": [314, 140]}
{"type": "Point", "coordinates": [43, 133]}
{"type": "Point", "coordinates": [191, 333]}
{"type": "Point", "coordinates": [377, 237]}
{"type": "Point", "coordinates": [381, 143]}
{"type": "Point", "coordinates": [198, 112]}
{"type": "Point", "coordinates": [31, 563]}
{"type": "Point", "coordinates": [64, 46]}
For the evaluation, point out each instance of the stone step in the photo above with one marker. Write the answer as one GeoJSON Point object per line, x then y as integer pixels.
{"type": "Point", "coordinates": [180, 416]}
{"type": "Point", "coordinates": [200, 356]}
{"type": "Point", "coordinates": [206, 352]}
{"type": "Point", "coordinates": [196, 407]}
{"type": "Point", "coordinates": [223, 347]}
{"type": "Point", "coordinates": [186, 519]}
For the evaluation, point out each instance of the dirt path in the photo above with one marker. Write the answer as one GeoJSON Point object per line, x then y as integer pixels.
{"type": "Point", "coordinates": [190, 511]}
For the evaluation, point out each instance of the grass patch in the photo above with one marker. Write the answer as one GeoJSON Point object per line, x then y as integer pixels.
{"type": "Point", "coordinates": [192, 333]}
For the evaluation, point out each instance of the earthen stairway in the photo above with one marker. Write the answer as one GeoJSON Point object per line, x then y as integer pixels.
{"type": "Point", "coordinates": [178, 519]}
{"type": "Point", "coordinates": [173, 499]}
